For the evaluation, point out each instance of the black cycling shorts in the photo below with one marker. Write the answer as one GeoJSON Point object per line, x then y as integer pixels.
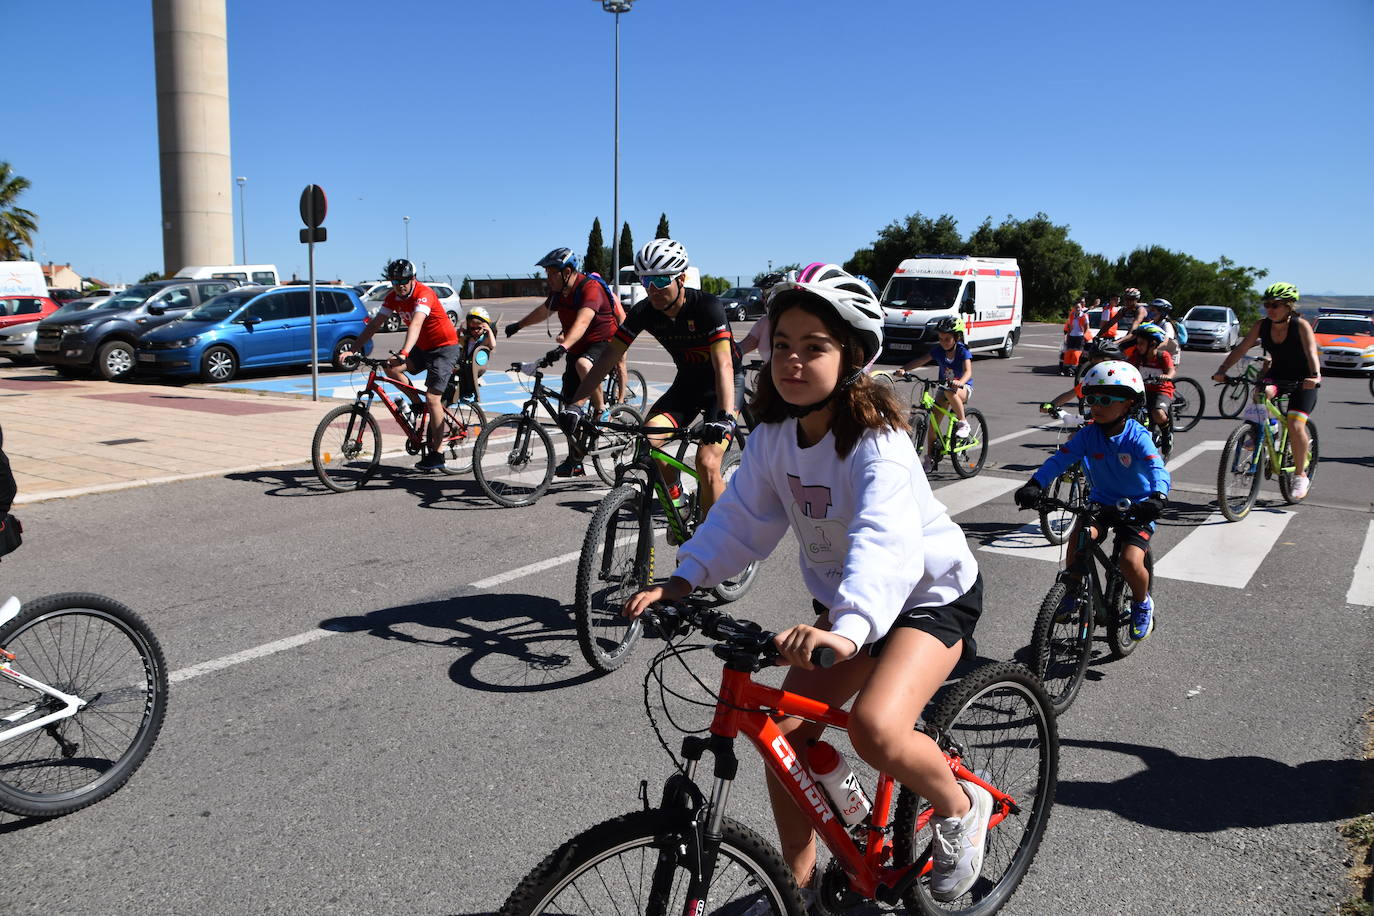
{"type": "Point", "coordinates": [693, 394]}
{"type": "Point", "coordinates": [571, 377]}
{"type": "Point", "coordinates": [948, 623]}
{"type": "Point", "coordinates": [1302, 400]}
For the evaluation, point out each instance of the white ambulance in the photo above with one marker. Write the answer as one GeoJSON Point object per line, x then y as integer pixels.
{"type": "Point", "coordinates": [928, 287]}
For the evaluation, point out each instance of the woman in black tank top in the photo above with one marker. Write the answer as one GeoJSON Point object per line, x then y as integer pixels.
{"type": "Point", "coordinates": [1292, 348]}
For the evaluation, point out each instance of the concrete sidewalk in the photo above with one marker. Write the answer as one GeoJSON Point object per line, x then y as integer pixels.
{"type": "Point", "coordinates": [71, 437]}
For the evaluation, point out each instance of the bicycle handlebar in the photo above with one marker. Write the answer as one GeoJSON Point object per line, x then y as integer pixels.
{"type": "Point", "coordinates": [1122, 507]}
{"type": "Point", "coordinates": [668, 619]}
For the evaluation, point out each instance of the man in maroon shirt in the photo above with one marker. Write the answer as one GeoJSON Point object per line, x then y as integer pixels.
{"type": "Point", "coordinates": [431, 344]}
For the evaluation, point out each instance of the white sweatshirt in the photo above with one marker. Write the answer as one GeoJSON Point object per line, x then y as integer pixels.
{"type": "Point", "coordinates": [874, 541]}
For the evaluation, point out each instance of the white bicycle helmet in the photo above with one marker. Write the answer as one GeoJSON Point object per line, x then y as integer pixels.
{"type": "Point", "coordinates": [1111, 377]}
{"type": "Point", "coordinates": [661, 256]}
{"type": "Point", "coordinates": [850, 297]}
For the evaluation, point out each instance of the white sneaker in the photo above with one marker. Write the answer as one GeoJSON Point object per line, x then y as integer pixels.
{"type": "Point", "coordinates": [1300, 485]}
{"type": "Point", "coordinates": [958, 846]}
{"type": "Point", "coordinates": [961, 430]}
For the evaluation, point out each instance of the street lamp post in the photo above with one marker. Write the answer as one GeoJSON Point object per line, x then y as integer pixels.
{"type": "Point", "coordinates": [617, 7]}
{"type": "Point", "coordinates": [406, 220]}
{"type": "Point", "coordinates": [243, 221]}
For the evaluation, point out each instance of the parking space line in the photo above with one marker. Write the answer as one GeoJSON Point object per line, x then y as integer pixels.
{"type": "Point", "coordinates": [1362, 582]}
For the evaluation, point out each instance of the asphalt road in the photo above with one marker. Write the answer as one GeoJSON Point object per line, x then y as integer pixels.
{"type": "Point", "coordinates": [434, 731]}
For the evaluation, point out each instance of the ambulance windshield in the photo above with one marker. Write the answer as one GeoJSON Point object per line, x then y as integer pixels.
{"type": "Point", "coordinates": [923, 293]}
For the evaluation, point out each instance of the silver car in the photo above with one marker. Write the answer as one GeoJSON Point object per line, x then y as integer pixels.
{"type": "Point", "coordinates": [1211, 327]}
{"type": "Point", "coordinates": [448, 298]}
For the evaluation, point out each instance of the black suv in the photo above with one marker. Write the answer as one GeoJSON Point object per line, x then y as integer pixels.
{"type": "Point", "coordinates": [741, 302]}
{"type": "Point", "coordinates": [104, 338]}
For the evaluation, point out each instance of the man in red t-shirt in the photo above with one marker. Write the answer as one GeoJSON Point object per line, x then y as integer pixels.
{"type": "Point", "coordinates": [431, 344]}
{"type": "Point", "coordinates": [588, 317]}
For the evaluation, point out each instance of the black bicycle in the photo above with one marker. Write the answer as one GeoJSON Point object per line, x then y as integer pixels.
{"type": "Point", "coordinates": [1062, 640]}
{"type": "Point", "coordinates": [632, 390]}
{"type": "Point", "coordinates": [1071, 487]}
{"type": "Point", "coordinates": [514, 456]}
{"type": "Point", "coordinates": [618, 551]}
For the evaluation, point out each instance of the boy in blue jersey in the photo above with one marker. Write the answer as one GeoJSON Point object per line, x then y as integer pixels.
{"type": "Point", "coordinates": [1122, 463]}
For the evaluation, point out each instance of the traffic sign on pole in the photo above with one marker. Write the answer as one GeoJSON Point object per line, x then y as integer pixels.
{"type": "Point", "coordinates": [313, 208]}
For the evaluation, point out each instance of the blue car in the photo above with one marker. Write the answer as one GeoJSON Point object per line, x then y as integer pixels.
{"type": "Point", "coordinates": [253, 327]}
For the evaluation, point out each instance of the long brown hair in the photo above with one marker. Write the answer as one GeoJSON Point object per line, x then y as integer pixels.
{"type": "Point", "coordinates": [861, 406]}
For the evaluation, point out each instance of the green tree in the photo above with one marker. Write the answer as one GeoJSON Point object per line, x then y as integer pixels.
{"type": "Point", "coordinates": [627, 246]}
{"type": "Point", "coordinates": [713, 284]}
{"type": "Point", "coordinates": [466, 291]}
{"type": "Point", "coordinates": [150, 276]}
{"type": "Point", "coordinates": [596, 260]}
{"type": "Point", "coordinates": [1053, 266]}
{"type": "Point", "coordinates": [17, 225]}
{"type": "Point", "coordinates": [899, 240]}
{"type": "Point", "coordinates": [662, 231]}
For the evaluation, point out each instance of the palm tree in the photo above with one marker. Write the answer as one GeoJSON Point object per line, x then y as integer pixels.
{"type": "Point", "coordinates": [17, 225]}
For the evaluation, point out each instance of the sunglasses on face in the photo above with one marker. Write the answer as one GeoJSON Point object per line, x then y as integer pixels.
{"type": "Point", "coordinates": [657, 281]}
{"type": "Point", "coordinates": [400, 283]}
{"type": "Point", "coordinates": [1102, 400]}
{"type": "Point", "coordinates": [1275, 304]}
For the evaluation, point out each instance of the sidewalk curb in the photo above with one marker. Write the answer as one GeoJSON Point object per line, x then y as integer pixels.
{"type": "Point", "coordinates": [148, 482]}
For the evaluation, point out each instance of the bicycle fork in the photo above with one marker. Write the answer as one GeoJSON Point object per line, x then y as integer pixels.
{"type": "Point", "coordinates": [696, 845]}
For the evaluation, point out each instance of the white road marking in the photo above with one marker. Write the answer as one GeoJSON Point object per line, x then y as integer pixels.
{"type": "Point", "coordinates": [528, 570]}
{"type": "Point", "coordinates": [964, 495]}
{"type": "Point", "coordinates": [1179, 461]}
{"type": "Point", "coordinates": [1219, 552]}
{"type": "Point", "coordinates": [248, 655]}
{"type": "Point", "coordinates": [1027, 542]}
{"type": "Point", "coordinates": [1019, 433]}
{"type": "Point", "coordinates": [1362, 582]}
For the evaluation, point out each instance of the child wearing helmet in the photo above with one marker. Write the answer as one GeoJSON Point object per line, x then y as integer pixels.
{"type": "Point", "coordinates": [895, 584]}
{"type": "Point", "coordinates": [1123, 464]}
{"type": "Point", "coordinates": [1156, 365]}
{"type": "Point", "coordinates": [1100, 350]}
{"type": "Point", "coordinates": [478, 340]}
{"type": "Point", "coordinates": [955, 362]}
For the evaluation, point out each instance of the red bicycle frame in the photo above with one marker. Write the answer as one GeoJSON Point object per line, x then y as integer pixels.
{"type": "Point", "coordinates": [751, 709]}
{"type": "Point", "coordinates": [375, 388]}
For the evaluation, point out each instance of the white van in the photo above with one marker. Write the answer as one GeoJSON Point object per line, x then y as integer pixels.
{"type": "Point", "coordinates": [22, 278]}
{"type": "Point", "coordinates": [246, 274]}
{"type": "Point", "coordinates": [632, 291]}
{"type": "Point", "coordinates": [928, 287]}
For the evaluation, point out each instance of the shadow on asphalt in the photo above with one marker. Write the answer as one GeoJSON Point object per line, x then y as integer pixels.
{"type": "Point", "coordinates": [511, 643]}
{"type": "Point", "coordinates": [1194, 795]}
{"type": "Point", "coordinates": [431, 491]}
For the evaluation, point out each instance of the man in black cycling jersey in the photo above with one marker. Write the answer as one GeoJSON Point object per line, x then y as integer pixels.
{"type": "Point", "coordinates": [692, 326]}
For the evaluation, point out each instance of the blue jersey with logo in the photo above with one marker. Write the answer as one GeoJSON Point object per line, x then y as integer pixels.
{"type": "Point", "coordinates": [1124, 466]}
{"type": "Point", "coordinates": [952, 365]}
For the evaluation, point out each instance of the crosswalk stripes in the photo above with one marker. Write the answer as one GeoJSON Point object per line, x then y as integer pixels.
{"type": "Point", "coordinates": [964, 495]}
{"type": "Point", "coordinates": [1362, 582]}
{"type": "Point", "coordinates": [1216, 553]}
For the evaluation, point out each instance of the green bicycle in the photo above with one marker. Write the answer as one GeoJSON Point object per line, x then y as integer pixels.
{"type": "Point", "coordinates": [967, 454]}
{"type": "Point", "coordinates": [618, 551]}
{"type": "Point", "coordinates": [1257, 448]}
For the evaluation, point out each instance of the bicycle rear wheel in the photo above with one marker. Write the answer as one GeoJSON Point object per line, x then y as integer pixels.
{"type": "Point", "coordinates": [100, 651]}
{"type": "Point", "coordinates": [513, 460]}
{"type": "Point", "coordinates": [613, 448]}
{"type": "Point", "coordinates": [1234, 393]}
{"type": "Point", "coordinates": [1069, 487]}
{"type": "Point", "coordinates": [1061, 644]}
{"type": "Point", "coordinates": [969, 454]}
{"type": "Point", "coordinates": [734, 588]}
{"type": "Point", "coordinates": [1286, 477]}
{"type": "Point", "coordinates": [1189, 402]}
{"type": "Point", "coordinates": [1238, 473]}
{"type": "Point", "coordinates": [617, 560]}
{"type": "Point", "coordinates": [640, 863]}
{"type": "Point", "coordinates": [460, 435]}
{"type": "Point", "coordinates": [636, 390]}
{"type": "Point", "coordinates": [347, 448]}
{"type": "Point", "coordinates": [1002, 722]}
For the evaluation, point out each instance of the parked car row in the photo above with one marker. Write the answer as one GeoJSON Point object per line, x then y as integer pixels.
{"type": "Point", "coordinates": [208, 328]}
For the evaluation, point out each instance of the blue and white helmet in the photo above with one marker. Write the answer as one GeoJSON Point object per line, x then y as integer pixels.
{"type": "Point", "coordinates": [558, 259]}
{"type": "Point", "coordinates": [1114, 377]}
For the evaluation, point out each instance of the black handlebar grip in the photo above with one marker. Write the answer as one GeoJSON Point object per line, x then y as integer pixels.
{"type": "Point", "coordinates": [823, 657]}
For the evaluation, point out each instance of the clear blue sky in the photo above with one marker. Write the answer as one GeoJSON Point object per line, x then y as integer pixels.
{"type": "Point", "coordinates": [787, 130]}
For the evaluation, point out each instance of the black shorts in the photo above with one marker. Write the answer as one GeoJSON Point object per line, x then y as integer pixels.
{"type": "Point", "coordinates": [571, 377]}
{"type": "Point", "coordinates": [1128, 534]}
{"type": "Point", "coordinates": [693, 394]}
{"type": "Point", "coordinates": [1073, 342]}
{"type": "Point", "coordinates": [438, 363]}
{"type": "Point", "coordinates": [948, 623]}
{"type": "Point", "coordinates": [1300, 400]}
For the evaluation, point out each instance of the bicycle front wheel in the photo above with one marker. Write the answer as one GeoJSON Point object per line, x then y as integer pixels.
{"type": "Point", "coordinates": [641, 863]}
{"type": "Point", "coordinates": [1286, 476]}
{"type": "Point", "coordinates": [1004, 725]}
{"type": "Point", "coordinates": [513, 461]}
{"type": "Point", "coordinates": [463, 423]}
{"type": "Point", "coordinates": [1234, 393]}
{"type": "Point", "coordinates": [1062, 642]}
{"type": "Point", "coordinates": [1069, 487]}
{"type": "Point", "coordinates": [100, 651]}
{"type": "Point", "coordinates": [734, 588]}
{"type": "Point", "coordinates": [1118, 611]}
{"type": "Point", "coordinates": [969, 453]}
{"type": "Point", "coordinates": [617, 560]}
{"type": "Point", "coordinates": [1189, 402]}
{"type": "Point", "coordinates": [612, 448]}
{"type": "Point", "coordinates": [1238, 474]}
{"type": "Point", "coordinates": [347, 448]}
